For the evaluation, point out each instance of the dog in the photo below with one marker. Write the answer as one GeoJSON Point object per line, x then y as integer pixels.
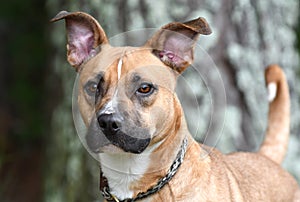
{"type": "Point", "coordinates": [137, 127]}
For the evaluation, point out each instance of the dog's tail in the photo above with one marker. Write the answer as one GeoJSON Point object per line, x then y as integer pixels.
{"type": "Point", "coordinates": [277, 135]}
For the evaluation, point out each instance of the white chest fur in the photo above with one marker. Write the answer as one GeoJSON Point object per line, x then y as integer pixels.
{"type": "Point", "coordinates": [121, 170]}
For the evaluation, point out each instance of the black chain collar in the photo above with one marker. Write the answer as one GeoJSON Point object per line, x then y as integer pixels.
{"type": "Point", "coordinates": [160, 184]}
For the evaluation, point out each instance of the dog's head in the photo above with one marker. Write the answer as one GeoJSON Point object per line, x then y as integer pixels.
{"type": "Point", "coordinates": [126, 94]}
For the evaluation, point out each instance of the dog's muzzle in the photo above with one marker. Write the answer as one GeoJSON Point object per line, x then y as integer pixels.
{"type": "Point", "coordinates": [112, 129]}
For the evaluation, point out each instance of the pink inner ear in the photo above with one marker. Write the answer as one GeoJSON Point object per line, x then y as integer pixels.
{"type": "Point", "coordinates": [177, 50]}
{"type": "Point", "coordinates": [168, 54]}
{"type": "Point", "coordinates": [81, 40]}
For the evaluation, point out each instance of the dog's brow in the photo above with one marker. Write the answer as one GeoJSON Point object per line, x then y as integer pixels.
{"type": "Point", "coordinates": [136, 78]}
{"type": "Point", "coordinates": [99, 77]}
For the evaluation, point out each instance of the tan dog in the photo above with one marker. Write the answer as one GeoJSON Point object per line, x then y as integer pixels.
{"type": "Point", "coordinates": [136, 123]}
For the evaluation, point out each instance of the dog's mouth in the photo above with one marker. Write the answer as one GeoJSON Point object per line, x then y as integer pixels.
{"type": "Point", "coordinates": [128, 143]}
{"type": "Point", "coordinates": [99, 140]}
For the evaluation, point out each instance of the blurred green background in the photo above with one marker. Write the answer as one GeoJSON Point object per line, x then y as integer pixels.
{"type": "Point", "coordinates": [41, 157]}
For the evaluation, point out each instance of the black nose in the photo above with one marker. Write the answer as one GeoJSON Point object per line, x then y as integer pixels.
{"type": "Point", "coordinates": [109, 123]}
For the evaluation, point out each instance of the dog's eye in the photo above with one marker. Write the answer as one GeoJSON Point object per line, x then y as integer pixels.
{"type": "Point", "coordinates": [145, 89]}
{"type": "Point", "coordinates": [91, 88]}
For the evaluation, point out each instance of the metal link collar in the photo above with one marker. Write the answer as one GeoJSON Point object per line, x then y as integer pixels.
{"type": "Point", "coordinates": [160, 184]}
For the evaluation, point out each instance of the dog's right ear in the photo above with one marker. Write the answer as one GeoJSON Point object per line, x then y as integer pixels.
{"type": "Point", "coordinates": [84, 35]}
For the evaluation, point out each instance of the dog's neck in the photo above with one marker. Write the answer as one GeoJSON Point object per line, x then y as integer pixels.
{"type": "Point", "coordinates": [123, 169]}
{"type": "Point", "coordinates": [126, 172]}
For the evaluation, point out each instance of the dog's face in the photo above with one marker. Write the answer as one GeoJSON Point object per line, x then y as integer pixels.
{"type": "Point", "coordinates": [125, 112]}
{"type": "Point", "coordinates": [126, 94]}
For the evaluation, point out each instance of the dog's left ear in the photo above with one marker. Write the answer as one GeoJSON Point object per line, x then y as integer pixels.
{"type": "Point", "coordinates": [84, 35]}
{"type": "Point", "coordinates": [174, 43]}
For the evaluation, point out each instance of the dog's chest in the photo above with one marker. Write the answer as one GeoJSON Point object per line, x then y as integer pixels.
{"type": "Point", "coordinates": [122, 170]}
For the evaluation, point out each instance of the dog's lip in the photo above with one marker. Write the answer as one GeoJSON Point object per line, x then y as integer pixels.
{"type": "Point", "coordinates": [110, 148]}
{"type": "Point", "coordinates": [96, 150]}
{"type": "Point", "coordinates": [128, 143]}
{"type": "Point", "coordinates": [105, 130]}
{"type": "Point", "coordinates": [104, 148]}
